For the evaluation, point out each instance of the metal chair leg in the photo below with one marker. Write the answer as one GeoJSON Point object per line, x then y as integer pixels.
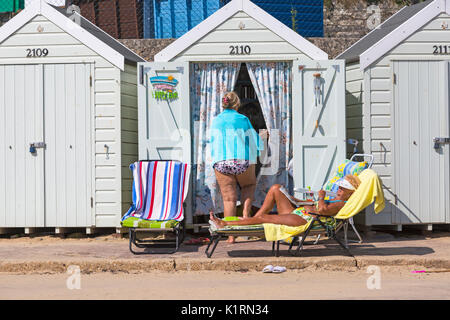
{"type": "Point", "coordinates": [345, 234]}
{"type": "Point", "coordinates": [356, 231]}
{"type": "Point", "coordinates": [278, 249]}
{"type": "Point", "coordinates": [332, 234]}
{"type": "Point", "coordinates": [344, 225]}
{"type": "Point", "coordinates": [317, 239]}
{"type": "Point", "coordinates": [342, 245]}
{"type": "Point", "coordinates": [214, 241]}
{"type": "Point", "coordinates": [292, 243]}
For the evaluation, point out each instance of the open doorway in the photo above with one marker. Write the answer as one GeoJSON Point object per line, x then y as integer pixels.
{"type": "Point", "coordinates": [250, 106]}
{"type": "Point", "coordinates": [265, 91]}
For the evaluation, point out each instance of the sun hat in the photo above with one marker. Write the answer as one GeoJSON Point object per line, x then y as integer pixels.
{"type": "Point", "coordinates": [345, 184]}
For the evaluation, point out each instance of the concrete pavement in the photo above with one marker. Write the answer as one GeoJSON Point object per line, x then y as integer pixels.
{"type": "Point", "coordinates": [109, 253]}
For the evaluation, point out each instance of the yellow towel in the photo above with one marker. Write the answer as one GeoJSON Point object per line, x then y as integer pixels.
{"type": "Point", "coordinates": [369, 191]}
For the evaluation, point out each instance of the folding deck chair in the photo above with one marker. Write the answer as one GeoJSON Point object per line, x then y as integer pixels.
{"type": "Point", "coordinates": [159, 191]}
{"type": "Point", "coordinates": [348, 167]}
{"type": "Point", "coordinates": [368, 192]}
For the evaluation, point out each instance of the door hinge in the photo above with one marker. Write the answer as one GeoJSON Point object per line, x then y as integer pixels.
{"type": "Point", "coordinates": [394, 78]}
{"type": "Point", "coordinates": [92, 202]}
{"type": "Point", "coordinates": [90, 81]}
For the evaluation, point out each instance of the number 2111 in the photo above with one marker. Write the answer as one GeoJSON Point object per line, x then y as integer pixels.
{"type": "Point", "coordinates": [441, 49]}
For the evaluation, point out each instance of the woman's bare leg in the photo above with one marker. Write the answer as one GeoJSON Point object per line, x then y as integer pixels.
{"type": "Point", "coordinates": [247, 182]}
{"type": "Point", "coordinates": [276, 197]}
{"type": "Point", "coordinates": [228, 189]}
{"type": "Point", "coordinates": [292, 220]}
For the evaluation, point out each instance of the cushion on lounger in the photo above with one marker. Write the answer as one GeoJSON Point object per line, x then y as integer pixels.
{"type": "Point", "coordinates": [133, 222]}
{"type": "Point", "coordinates": [347, 167]}
{"type": "Point", "coordinates": [241, 229]}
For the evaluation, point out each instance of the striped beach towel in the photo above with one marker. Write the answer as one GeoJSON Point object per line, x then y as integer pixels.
{"type": "Point", "coordinates": [159, 190]}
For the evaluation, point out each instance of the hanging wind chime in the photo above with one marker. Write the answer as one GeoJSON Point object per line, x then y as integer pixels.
{"type": "Point", "coordinates": [317, 91]}
{"type": "Point", "coordinates": [317, 88]}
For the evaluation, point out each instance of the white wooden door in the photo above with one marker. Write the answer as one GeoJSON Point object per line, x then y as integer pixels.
{"type": "Point", "coordinates": [318, 121]}
{"type": "Point", "coordinates": [421, 113]}
{"type": "Point", "coordinates": [164, 112]}
{"type": "Point", "coordinates": [165, 115]}
{"type": "Point", "coordinates": [68, 109]}
{"type": "Point", "coordinates": [21, 123]}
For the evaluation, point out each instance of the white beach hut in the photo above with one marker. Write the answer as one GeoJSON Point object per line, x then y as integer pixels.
{"type": "Point", "coordinates": [68, 119]}
{"type": "Point", "coordinates": [397, 89]}
{"type": "Point", "coordinates": [297, 90]}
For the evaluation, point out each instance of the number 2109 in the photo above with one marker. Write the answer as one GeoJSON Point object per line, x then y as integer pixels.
{"type": "Point", "coordinates": [36, 53]}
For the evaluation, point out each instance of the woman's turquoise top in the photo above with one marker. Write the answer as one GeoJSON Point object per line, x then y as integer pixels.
{"type": "Point", "coordinates": [233, 138]}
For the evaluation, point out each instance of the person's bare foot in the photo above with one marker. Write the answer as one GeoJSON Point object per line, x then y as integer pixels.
{"type": "Point", "coordinates": [231, 240]}
{"type": "Point", "coordinates": [218, 222]}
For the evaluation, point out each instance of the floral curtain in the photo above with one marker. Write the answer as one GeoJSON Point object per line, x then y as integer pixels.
{"type": "Point", "coordinates": [209, 83]}
{"type": "Point", "coordinates": [272, 83]}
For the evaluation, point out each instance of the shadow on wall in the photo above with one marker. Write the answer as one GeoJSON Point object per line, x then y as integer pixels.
{"type": "Point", "coordinates": [354, 117]}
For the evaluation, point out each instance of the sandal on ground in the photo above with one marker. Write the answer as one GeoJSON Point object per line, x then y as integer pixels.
{"type": "Point", "coordinates": [197, 241]}
{"type": "Point", "coordinates": [268, 269]}
{"type": "Point", "coordinates": [192, 242]}
{"type": "Point", "coordinates": [279, 269]}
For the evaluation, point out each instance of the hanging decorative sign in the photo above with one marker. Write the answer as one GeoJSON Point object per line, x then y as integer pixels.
{"type": "Point", "coordinates": [164, 88]}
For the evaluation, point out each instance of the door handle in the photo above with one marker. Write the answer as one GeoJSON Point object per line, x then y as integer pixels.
{"type": "Point", "coordinates": [36, 145]}
{"type": "Point", "coordinates": [438, 141]}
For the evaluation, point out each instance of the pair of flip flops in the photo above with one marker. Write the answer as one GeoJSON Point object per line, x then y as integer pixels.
{"type": "Point", "coordinates": [197, 241]}
{"type": "Point", "coordinates": [271, 269]}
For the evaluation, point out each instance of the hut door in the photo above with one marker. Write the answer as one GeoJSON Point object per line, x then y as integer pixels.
{"type": "Point", "coordinates": [164, 112]}
{"type": "Point", "coordinates": [318, 93]}
{"type": "Point", "coordinates": [21, 168]}
{"type": "Point", "coordinates": [421, 166]}
{"type": "Point", "coordinates": [68, 108]}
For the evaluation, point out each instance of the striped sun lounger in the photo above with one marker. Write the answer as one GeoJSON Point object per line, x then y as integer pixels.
{"type": "Point", "coordinates": [159, 191]}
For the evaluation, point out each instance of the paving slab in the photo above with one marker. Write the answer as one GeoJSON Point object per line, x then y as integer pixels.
{"type": "Point", "coordinates": [109, 253]}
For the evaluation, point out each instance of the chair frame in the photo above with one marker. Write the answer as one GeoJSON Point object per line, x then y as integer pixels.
{"type": "Point", "coordinates": [179, 230]}
{"type": "Point", "coordinates": [330, 231]}
{"type": "Point", "coordinates": [350, 221]}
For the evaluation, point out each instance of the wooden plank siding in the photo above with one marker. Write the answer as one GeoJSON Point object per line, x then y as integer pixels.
{"type": "Point", "coordinates": [41, 33]}
{"type": "Point", "coordinates": [63, 48]}
{"type": "Point", "coordinates": [264, 43]}
{"type": "Point", "coordinates": [129, 130]}
{"type": "Point", "coordinates": [379, 76]}
{"type": "Point", "coordinates": [107, 132]}
{"type": "Point", "coordinates": [354, 105]}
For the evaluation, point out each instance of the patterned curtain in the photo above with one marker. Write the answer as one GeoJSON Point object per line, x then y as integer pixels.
{"type": "Point", "coordinates": [209, 83]}
{"type": "Point", "coordinates": [272, 83]}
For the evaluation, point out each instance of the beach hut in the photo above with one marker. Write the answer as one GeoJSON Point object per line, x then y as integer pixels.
{"type": "Point", "coordinates": [397, 89]}
{"type": "Point", "coordinates": [68, 119]}
{"type": "Point", "coordinates": [281, 78]}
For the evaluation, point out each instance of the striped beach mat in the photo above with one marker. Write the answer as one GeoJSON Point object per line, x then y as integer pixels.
{"type": "Point", "coordinates": [159, 190]}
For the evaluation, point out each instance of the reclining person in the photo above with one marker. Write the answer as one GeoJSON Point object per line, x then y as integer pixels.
{"type": "Point", "coordinates": [289, 215]}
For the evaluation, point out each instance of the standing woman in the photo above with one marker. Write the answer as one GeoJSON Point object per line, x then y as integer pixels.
{"type": "Point", "coordinates": [235, 146]}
